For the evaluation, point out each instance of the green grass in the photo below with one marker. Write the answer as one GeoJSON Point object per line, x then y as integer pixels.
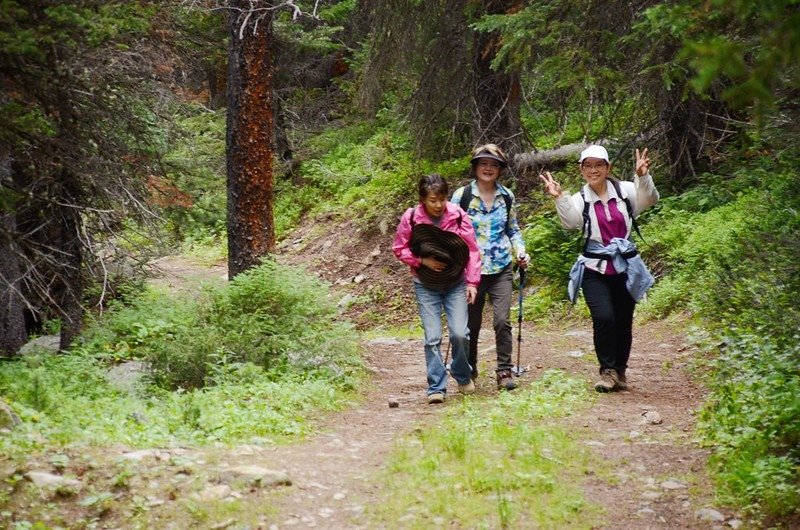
{"type": "Point", "coordinates": [257, 358]}
{"type": "Point", "coordinates": [498, 464]}
{"type": "Point", "coordinates": [66, 400]}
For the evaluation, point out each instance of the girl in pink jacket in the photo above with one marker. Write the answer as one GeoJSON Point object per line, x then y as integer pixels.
{"type": "Point", "coordinates": [437, 241]}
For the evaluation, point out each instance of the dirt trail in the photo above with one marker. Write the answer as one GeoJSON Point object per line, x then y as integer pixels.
{"type": "Point", "coordinates": [658, 473]}
{"type": "Point", "coordinates": [642, 438]}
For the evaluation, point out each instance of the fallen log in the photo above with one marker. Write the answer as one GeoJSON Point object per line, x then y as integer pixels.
{"type": "Point", "coordinates": [552, 157]}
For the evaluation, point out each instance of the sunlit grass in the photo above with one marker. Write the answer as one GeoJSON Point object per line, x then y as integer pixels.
{"type": "Point", "coordinates": [90, 411]}
{"type": "Point", "coordinates": [493, 464]}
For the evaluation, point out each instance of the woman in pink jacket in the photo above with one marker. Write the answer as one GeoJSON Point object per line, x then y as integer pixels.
{"type": "Point", "coordinates": [437, 241]}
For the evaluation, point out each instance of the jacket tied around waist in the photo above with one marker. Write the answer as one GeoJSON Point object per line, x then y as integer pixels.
{"type": "Point", "coordinates": [626, 259]}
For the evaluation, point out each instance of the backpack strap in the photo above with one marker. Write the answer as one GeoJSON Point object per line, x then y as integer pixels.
{"type": "Point", "coordinates": [587, 222]}
{"type": "Point", "coordinates": [466, 198]}
{"type": "Point", "coordinates": [615, 183]}
{"type": "Point", "coordinates": [414, 209]}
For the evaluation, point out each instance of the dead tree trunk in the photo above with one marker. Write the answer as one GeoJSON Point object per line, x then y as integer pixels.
{"type": "Point", "coordinates": [497, 93]}
{"type": "Point", "coordinates": [251, 232]}
{"type": "Point", "coordinates": [12, 317]}
{"type": "Point", "coordinates": [70, 305]}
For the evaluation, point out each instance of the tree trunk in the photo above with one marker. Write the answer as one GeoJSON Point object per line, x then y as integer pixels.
{"type": "Point", "coordinates": [70, 306]}
{"type": "Point", "coordinates": [497, 93]}
{"type": "Point", "coordinates": [216, 86]}
{"type": "Point", "coordinates": [12, 316]}
{"type": "Point", "coordinates": [251, 233]}
{"type": "Point", "coordinates": [685, 122]}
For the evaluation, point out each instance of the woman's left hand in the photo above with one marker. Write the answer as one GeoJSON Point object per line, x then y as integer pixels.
{"type": "Point", "coordinates": [472, 293]}
{"type": "Point", "coordinates": [642, 163]}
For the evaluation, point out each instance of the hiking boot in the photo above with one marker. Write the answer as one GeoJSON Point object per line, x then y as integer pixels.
{"type": "Point", "coordinates": [436, 397]}
{"type": "Point", "coordinates": [469, 388]}
{"type": "Point", "coordinates": [505, 380]}
{"type": "Point", "coordinates": [608, 381]}
{"type": "Point", "coordinates": [622, 380]}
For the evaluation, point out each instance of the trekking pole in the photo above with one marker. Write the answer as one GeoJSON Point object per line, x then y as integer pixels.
{"type": "Point", "coordinates": [518, 369]}
{"type": "Point", "coordinates": [447, 352]}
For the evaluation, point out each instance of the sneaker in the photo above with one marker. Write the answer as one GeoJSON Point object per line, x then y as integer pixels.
{"type": "Point", "coordinates": [608, 381]}
{"type": "Point", "coordinates": [505, 380]}
{"type": "Point", "coordinates": [436, 397]}
{"type": "Point", "coordinates": [622, 380]}
{"type": "Point", "coordinates": [469, 388]}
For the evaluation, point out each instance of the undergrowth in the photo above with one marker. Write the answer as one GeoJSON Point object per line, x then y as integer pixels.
{"type": "Point", "coordinates": [254, 359]}
{"type": "Point", "coordinates": [752, 420]}
{"type": "Point", "coordinates": [726, 251]}
{"type": "Point", "coordinates": [493, 464]}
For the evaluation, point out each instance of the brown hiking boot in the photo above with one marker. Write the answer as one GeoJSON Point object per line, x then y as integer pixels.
{"type": "Point", "coordinates": [436, 397]}
{"type": "Point", "coordinates": [467, 389]}
{"type": "Point", "coordinates": [608, 381]}
{"type": "Point", "coordinates": [622, 380]}
{"type": "Point", "coordinates": [505, 380]}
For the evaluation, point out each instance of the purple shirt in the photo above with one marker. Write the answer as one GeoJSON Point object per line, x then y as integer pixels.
{"type": "Point", "coordinates": [611, 225]}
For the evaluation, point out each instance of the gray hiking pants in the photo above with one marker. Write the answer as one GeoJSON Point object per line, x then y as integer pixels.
{"type": "Point", "coordinates": [499, 287]}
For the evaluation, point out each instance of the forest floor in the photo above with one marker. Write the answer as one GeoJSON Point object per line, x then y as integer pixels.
{"type": "Point", "coordinates": [646, 470]}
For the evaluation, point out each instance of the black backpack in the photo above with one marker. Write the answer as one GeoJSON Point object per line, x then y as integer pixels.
{"type": "Point", "coordinates": [466, 198]}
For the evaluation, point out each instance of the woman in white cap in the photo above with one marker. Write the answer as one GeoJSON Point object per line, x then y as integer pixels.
{"type": "Point", "coordinates": [491, 208]}
{"type": "Point", "coordinates": [609, 270]}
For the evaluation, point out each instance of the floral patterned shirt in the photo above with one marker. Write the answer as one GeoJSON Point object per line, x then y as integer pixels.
{"type": "Point", "coordinates": [499, 242]}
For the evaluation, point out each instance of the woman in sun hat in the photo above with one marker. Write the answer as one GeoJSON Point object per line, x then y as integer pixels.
{"type": "Point", "coordinates": [436, 240]}
{"type": "Point", "coordinates": [609, 270]}
{"type": "Point", "coordinates": [492, 210]}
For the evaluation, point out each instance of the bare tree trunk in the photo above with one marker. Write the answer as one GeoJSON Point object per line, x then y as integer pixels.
{"type": "Point", "coordinates": [251, 232]}
{"type": "Point", "coordinates": [497, 94]}
{"type": "Point", "coordinates": [12, 316]}
{"type": "Point", "coordinates": [70, 306]}
{"type": "Point", "coordinates": [686, 131]}
{"type": "Point", "coordinates": [216, 86]}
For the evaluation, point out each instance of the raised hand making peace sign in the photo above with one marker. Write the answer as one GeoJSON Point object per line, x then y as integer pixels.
{"type": "Point", "coordinates": [550, 185]}
{"type": "Point", "coordinates": [642, 163]}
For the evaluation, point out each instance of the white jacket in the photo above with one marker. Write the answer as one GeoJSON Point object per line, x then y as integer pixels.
{"type": "Point", "coordinates": [642, 194]}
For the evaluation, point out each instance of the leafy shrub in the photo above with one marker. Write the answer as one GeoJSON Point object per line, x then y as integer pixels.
{"type": "Point", "coordinates": [753, 420]}
{"type": "Point", "coordinates": [734, 264]}
{"type": "Point", "coordinates": [272, 316]}
{"type": "Point", "coordinates": [254, 358]}
{"type": "Point", "coordinates": [552, 248]}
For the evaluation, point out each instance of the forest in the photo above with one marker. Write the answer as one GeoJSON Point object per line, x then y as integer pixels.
{"type": "Point", "coordinates": [275, 144]}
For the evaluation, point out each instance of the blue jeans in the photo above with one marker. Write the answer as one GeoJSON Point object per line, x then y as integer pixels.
{"type": "Point", "coordinates": [431, 302]}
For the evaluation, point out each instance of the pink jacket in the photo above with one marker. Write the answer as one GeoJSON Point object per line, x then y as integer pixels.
{"type": "Point", "coordinates": [455, 220]}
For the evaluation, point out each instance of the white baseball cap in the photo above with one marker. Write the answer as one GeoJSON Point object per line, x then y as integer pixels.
{"type": "Point", "coordinates": [594, 151]}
